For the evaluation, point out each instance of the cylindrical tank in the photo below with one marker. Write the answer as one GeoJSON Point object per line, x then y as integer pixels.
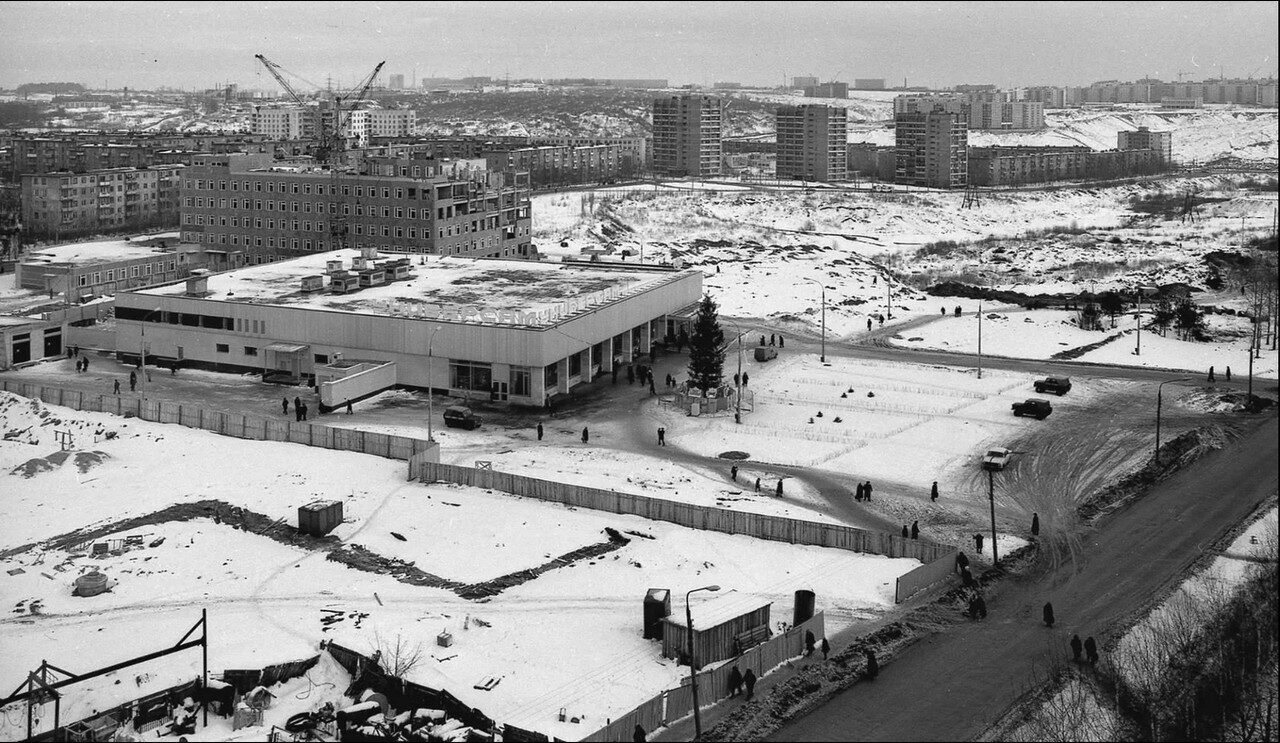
{"type": "Point", "coordinates": [657, 606]}
{"type": "Point", "coordinates": [804, 607]}
{"type": "Point", "coordinates": [91, 584]}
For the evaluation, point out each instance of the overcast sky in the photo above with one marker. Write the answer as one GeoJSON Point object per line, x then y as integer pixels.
{"type": "Point", "coordinates": [200, 44]}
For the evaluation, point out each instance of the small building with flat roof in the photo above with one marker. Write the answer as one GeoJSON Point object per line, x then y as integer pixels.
{"type": "Point", "coordinates": [84, 270]}
{"type": "Point", "coordinates": [723, 627]}
{"type": "Point", "coordinates": [502, 330]}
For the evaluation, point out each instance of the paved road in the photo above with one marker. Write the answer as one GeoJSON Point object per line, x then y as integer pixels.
{"type": "Point", "coordinates": [952, 686]}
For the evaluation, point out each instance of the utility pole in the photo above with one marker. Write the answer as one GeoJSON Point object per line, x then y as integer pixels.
{"type": "Point", "coordinates": [979, 340]}
{"type": "Point", "coordinates": [1138, 351]}
{"type": "Point", "coordinates": [991, 494]}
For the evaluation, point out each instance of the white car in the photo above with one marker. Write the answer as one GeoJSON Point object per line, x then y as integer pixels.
{"type": "Point", "coordinates": [996, 458]}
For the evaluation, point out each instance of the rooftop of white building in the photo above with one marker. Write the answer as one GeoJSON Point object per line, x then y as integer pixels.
{"type": "Point", "coordinates": [102, 251]}
{"type": "Point", "coordinates": [440, 288]}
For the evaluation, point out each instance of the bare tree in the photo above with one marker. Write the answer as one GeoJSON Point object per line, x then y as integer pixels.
{"type": "Point", "coordinates": [399, 657]}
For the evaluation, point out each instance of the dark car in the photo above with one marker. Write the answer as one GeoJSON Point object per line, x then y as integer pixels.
{"type": "Point", "coordinates": [764, 353]}
{"type": "Point", "coordinates": [457, 416]}
{"type": "Point", "coordinates": [1034, 407]}
{"type": "Point", "coordinates": [1057, 385]}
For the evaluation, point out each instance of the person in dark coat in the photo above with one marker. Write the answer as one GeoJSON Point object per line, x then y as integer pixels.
{"type": "Point", "coordinates": [117, 387]}
{"type": "Point", "coordinates": [779, 488]}
{"type": "Point", "coordinates": [957, 310]}
{"type": "Point", "coordinates": [297, 410]}
{"type": "Point", "coordinates": [966, 577]}
{"type": "Point", "coordinates": [981, 604]}
{"type": "Point", "coordinates": [810, 642]}
{"type": "Point", "coordinates": [826, 648]}
{"type": "Point", "coordinates": [746, 378]}
{"type": "Point", "coordinates": [868, 325]}
{"type": "Point", "coordinates": [1048, 614]}
{"type": "Point", "coordinates": [762, 340]}
{"type": "Point", "coordinates": [737, 380]}
{"type": "Point", "coordinates": [1091, 649]}
{"type": "Point", "coordinates": [915, 529]}
{"type": "Point", "coordinates": [857, 496]}
{"type": "Point", "coordinates": [749, 680]}
{"type": "Point", "coordinates": [933, 493]}
{"type": "Point", "coordinates": [977, 542]}
{"type": "Point", "coordinates": [781, 343]}
{"type": "Point", "coordinates": [1228, 374]}
{"type": "Point", "coordinates": [585, 436]}
{"type": "Point", "coordinates": [638, 735]}
{"type": "Point", "coordinates": [85, 363]}
{"type": "Point", "coordinates": [906, 533]}
{"type": "Point", "coordinates": [866, 490]}
{"type": "Point", "coordinates": [973, 606]}
{"type": "Point", "coordinates": [757, 485]}
{"type": "Point", "coordinates": [662, 436]}
{"type": "Point", "coordinates": [652, 389]}
{"type": "Point", "coordinates": [1035, 524]}
{"type": "Point", "coordinates": [944, 311]}
{"type": "Point", "coordinates": [733, 472]}
{"type": "Point", "coordinates": [304, 411]}
{"type": "Point", "coordinates": [735, 682]}
{"type": "Point", "coordinates": [873, 668]}
{"type": "Point", "coordinates": [284, 401]}
{"type": "Point", "coordinates": [1211, 379]}
{"type": "Point", "coordinates": [772, 339]}
{"type": "Point", "coordinates": [297, 403]}
{"type": "Point", "coordinates": [133, 381]}
{"type": "Point", "coordinates": [540, 431]}
{"type": "Point", "coordinates": [962, 560]}
{"type": "Point", "coordinates": [1076, 647]}
{"type": "Point", "coordinates": [348, 407]}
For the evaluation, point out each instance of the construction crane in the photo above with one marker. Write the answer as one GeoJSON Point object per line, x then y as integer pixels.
{"type": "Point", "coordinates": [330, 141]}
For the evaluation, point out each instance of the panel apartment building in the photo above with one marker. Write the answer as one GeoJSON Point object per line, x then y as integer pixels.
{"type": "Point", "coordinates": [82, 152]}
{"type": "Point", "coordinates": [932, 149]}
{"type": "Point", "coordinates": [1145, 139]}
{"type": "Point", "coordinates": [812, 143]}
{"type": "Point", "coordinates": [982, 110]}
{"type": "Point", "coordinates": [240, 203]}
{"type": "Point", "coordinates": [687, 135]}
{"type": "Point", "coordinates": [59, 205]}
{"type": "Point", "coordinates": [302, 122]}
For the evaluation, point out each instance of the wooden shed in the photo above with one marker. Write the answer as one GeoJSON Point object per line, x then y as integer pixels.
{"type": "Point", "coordinates": [718, 624]}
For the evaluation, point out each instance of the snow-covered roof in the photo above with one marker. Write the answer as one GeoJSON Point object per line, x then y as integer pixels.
{"type": "Point", "coordinates": [723, 608]}
{"type": "Point", "coordinates": [102, 251]}
{"type": "Point", "coordinates": [438, 287]}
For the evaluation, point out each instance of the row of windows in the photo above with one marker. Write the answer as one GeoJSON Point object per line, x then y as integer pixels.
{"type": "Point", "coordinates": [145, 269]}
{"type": "Point", "coordinates": [319, 189]}
{"type": "Point", "coordinates": [193, 320]}
{"type": "Point", "coordinates": [305, 244]}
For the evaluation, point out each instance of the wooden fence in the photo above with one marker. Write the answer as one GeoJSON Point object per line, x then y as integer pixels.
{"type": "Point", "coordinates": [239, 425]}
{"type": "Point", "coordinates": [713, 685]}
{"type": "Point", "coordinates": [761, 526]}
{"type": "Point", "coordinates": [245, 680]}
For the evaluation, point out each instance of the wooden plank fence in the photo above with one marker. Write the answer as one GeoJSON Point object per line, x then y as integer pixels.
{"type": "Point", "coordinates": [238, 425]}
{"type": "Point", "coordinates": [761, 526]}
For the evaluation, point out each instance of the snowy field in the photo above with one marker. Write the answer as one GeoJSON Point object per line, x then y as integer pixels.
{"type": "Point", "coordinates": [568, 638]}
{"type": "Point", "coordinates": [1039, 334]}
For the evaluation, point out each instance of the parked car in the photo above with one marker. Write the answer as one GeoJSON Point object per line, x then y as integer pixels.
{"type": "Point", "coordinates": [996, 458]}
{"type": "Point", "coordinates": [1034, 407]}
{"type": "Point", "coordinates": [458, 416]}
{"type": "Point", "coordinates": [764, 353]}
{"type": "Point", "coordinates": [1057, 385]}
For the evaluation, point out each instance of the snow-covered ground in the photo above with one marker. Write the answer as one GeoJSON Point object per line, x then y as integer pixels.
{"type": "Point", "coordinates": [569, 638]}
{"type": "Point", "coordinates": [1039, 334]}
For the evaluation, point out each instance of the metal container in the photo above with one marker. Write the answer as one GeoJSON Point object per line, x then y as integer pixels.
{"type": "Point", "coordinates": [657, 606]}
{"type": "Point", "coordinates": [319, 518]}
{"type": "Point", "coordinates": [803, 612]}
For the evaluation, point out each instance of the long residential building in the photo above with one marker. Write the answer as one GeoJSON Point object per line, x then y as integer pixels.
{"type": "Point", "coordinates": [57, 205]}
{"type": "Point", "coordinates": [982, 110]}
{"type": "Point", "coordinates": [812, 143]}
{"type": "Point", "coordinates": [687, 135]}
{"type": "Point", "coordinates": [303, 122]}
{"type": "Point", "coordinates": [81, 152]}
{"type": "Point", "coordinates": [1012, 166]}
{"type": "Point", "coordinates": [1145, 139]}
{"type": "Point", "coordinates": [263, 211]}
{"type": "Point", "coordinates": [550, 161]}
{"type": "Point", "coordinates": [932, 149]}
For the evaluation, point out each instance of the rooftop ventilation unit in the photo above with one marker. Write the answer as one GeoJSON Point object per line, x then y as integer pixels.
{"type": "Point", "coordinates": [344, 283]}
{"type": "Point", "coordinates": [332, 267]}
{"type": "Point", "coordinates": [198, 284]}
{"type": "Point", "coordinates": [312, 283]}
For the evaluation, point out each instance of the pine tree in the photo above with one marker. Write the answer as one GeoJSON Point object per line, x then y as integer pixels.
{"type": "Point", "coordinates": [706, 348]}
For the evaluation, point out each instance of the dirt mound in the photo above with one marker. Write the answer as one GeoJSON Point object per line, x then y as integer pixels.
{"type": "Point", "coordinates": [84, 460]}
{"type": "Point", "coordinates": [29, 421]}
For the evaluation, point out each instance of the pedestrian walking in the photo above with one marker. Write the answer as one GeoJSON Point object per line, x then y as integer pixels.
{"type": "Point", "coordinates": [1048, 614]}
{"type": "Point", "coordinates": [915, 529]}
{"type": "Point", "coordinates": [772, 339]}
{"type": "Point", "coordinates": [977, 542]}
{"type": "Point", "coordinates": [881, 319]}
{"type": "Point", "coordinates": [284, 401]}
{"type": "Point", "coordinates": [757, 485]}
{"type": "Point", "coordinates": [957, 310]}
{"type": "Point", "coordinates": [348, 407]}
{"type": "Point", "coordinates": [117, 387]}
{"type": "Point", "coordinates": [1091, 649]}
{"type": "Point", "coordinates": [962, 560]}
{"type": "Point", "coordinates": [873, 668]}
{"type": "Point", "coordinates": [749, 680]}
{"type": "Point", "coordinates": [585, 435]}
{"type": "Point", "coordinates": [1075, 648]}
{"type": "Point", "coordinates": [173, 370]}
{"type": "Point", "coordinates": [826, 648]}
{"type": "Point", "coordinates": [906, 533]}
{"type": "Point", "coordinates": [304, 411]}
{"type": "Point", "coordinates": [781, 342]}
{"type": "Point", "coordinates": [540, 431]}
{"type": "Point", "coordinates": [981, 604]}
{"type": "Point", "coordinates": [662, 436]}
{"type": "Point", "coordinates": [1035, 524]}
{"type": "Point", "coordinates": [866, 490]}
{"type": "Point", "coordinates": [737, 380]}
{"type": "Point", "coordinates": [933, 493]}
{"type": "Point", "coordinates": [297, 403]}
{"type": "Point", "coordinates": [944, 311]}
{"type": "Point", "coordinates": [1228, 374]}
{"type": "Point", "coordinates": [779, 488]}
{"type": "Point", "coordinates": [86, 363]}
{"type": "Point", "coordinates": [133, 381]}
{"type": "Point", "coordinates": [762, 340]}
{"type": "Point", "coordinates": [1211, 374]}
{"type": "Point", "coordinates": [973, 607]}
{"type": "Point", "coordinates": [746, 378]}
{"type": "Point", "coordinates": [858, 495]}
{"type": "Point", "coordinates": [810, 642]}
{"type": "Point", "coordinates": [868, 325]}
{"type": "Point", "coordinates": [638, 735]}
{"type": "Point", "coordinates": [966, 577]}
{"type": "Point", "coordinates": [733, 472]}
{"type": "Point", "coordinates": [735, 682]}
{"type": "Point", "coordinates": [652, 390]}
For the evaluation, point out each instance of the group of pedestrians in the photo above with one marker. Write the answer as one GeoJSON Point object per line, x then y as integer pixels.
{"type": "Point", "coordinates": [775, 339]}
{"type": "Point", "coordinates": [913, 532]}
{"type": "Point", "coordinates": [645, 375]}
{"type": "Point", "coordinates": [864, 493]}
{"type": "Point", "coordinates": [299, 408]}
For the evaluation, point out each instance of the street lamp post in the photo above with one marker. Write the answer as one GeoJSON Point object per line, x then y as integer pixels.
{"type": "Point", "coordinates": [737, 384]}
{"type": "Point", "coordinates": [693, 666]}
{"type": "Point", "coordinates": [823, 358]}
{"type": "Point", "coordinates": [979, 340]}
{"type": "Point", "coordinates": [430, 394]}
{"type": "Point", "coordinates": [1159, 404]}
{"type": "Point", "coordinates": [991, 495]}
{"type": "Point", "coordinates": [142, 351]}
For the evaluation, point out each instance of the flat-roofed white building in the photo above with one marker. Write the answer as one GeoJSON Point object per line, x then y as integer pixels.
{"type": "Point", "coordinates": [505, 330]}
